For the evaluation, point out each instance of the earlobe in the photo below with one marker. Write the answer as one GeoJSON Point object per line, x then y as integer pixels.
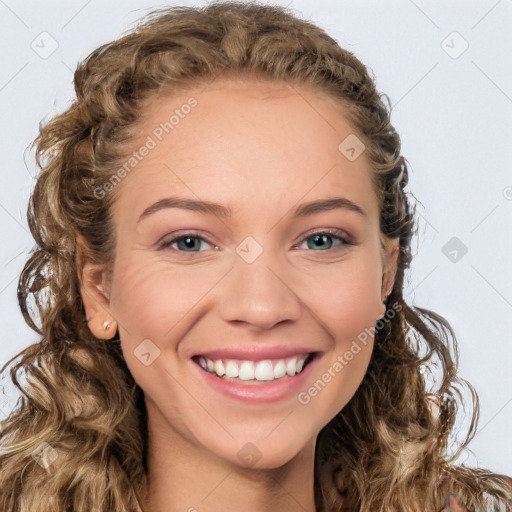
{"type": "Point", "coordinates": [96, 300]}
{"type": "Point", "coordinates": [390, 268]}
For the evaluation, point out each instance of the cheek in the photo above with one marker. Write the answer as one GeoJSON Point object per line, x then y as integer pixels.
{"type": "Point", "coordinates": [153, 301]}
{"type": "Point", "coordinates": [149, 296]}
{"type": "Point", "coordinates": [347, 303]}
{"type": "Point", "coordinates": [347, 298]}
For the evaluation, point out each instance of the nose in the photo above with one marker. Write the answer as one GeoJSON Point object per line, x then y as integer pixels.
{"type": "Point", "coordinates": [258, 294]}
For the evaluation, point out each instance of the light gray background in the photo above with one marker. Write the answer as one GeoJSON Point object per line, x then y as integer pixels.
{"type": "Point", "coordinates": [452, 109]}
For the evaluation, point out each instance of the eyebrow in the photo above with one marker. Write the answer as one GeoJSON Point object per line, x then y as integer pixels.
{"type": "Point", "coordinates": [305, 209]}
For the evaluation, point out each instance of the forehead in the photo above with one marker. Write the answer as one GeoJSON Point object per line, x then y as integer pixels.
{"type": "Point", "coordinates": [233, 139]}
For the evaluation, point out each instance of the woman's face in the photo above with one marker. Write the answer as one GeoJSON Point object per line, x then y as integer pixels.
{"type": "Point", "coordinates": [255, 280]}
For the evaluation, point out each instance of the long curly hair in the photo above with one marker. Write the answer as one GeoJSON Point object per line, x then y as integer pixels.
{"type": "Point", "coordinates": [76, 441]}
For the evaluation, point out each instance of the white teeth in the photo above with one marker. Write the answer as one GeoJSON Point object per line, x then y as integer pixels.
{"type": "Point", "coordinates": [291, 366]}
{"type": "Point", "coordinates": [246, 371]}
{"type": "Point", "coordinates": [280, 369]}
{"type": "Point", "coordinates": [231, 369]}
{"type": "Point", "coordinates": [265, 370]}
{"type": "Point", "coordinates": [219, 367]}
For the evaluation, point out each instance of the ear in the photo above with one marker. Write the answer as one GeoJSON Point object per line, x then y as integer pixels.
{"type": "Point", "coordinates": [390, 263]}
{"type": "Point", "coordinates": [95, 293]}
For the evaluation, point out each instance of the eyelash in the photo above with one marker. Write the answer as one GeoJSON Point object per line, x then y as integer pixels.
{"type": "Point", "coordinates": [335, 233]}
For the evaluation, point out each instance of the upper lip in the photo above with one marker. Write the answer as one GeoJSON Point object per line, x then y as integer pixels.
{"type": "Point", "coordinates": [255, 353]}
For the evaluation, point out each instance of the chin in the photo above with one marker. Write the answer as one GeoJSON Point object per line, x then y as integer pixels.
{"type": "Point", "coordinates": [262, 455]}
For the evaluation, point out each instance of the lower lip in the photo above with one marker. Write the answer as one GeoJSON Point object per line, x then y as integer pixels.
{"type": "Point", "coordinates": [259, 393]}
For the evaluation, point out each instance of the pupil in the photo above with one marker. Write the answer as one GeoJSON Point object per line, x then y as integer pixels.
{"type": "Point", "coordinates": [189, 242]}
{"type": "Point", "coordinates": [318, 238]}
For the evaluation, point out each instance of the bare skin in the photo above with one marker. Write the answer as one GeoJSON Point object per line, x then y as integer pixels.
{"type": "Point", "coordinates": [261, 149]}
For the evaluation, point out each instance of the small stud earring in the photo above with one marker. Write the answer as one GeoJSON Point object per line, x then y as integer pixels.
{"type": "Point", "coordinates": [106, 324]}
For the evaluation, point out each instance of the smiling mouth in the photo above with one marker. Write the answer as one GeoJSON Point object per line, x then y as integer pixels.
{"type": "Point", "coordinates": [255, 372]}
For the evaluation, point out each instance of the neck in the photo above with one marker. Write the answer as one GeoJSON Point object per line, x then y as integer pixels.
{"type": "Point", "coordinates": [184, 476]}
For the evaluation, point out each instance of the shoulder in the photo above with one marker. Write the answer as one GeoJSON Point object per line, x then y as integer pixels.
{"type": "Point", "coordinates": [453, 503]}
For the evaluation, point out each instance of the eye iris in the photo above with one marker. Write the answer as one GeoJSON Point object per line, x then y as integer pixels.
{"type": "Point", "coordinates": [188, 240]}
{"type": "Point", "coordinates": [317, 238]}
{"type": "Point", "coordinates": [187, 243]}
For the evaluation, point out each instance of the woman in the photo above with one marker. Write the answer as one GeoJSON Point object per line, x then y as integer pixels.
{"type": "Point", "coordinates": [222, 232]}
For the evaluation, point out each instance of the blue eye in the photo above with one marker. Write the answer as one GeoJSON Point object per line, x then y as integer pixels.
{"type": "Point", "coordinates": [190, 242]}
{"type": "Point", "coordinates": [185, 241]}
{"type": "Point", "coordinates": [319, 239]}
